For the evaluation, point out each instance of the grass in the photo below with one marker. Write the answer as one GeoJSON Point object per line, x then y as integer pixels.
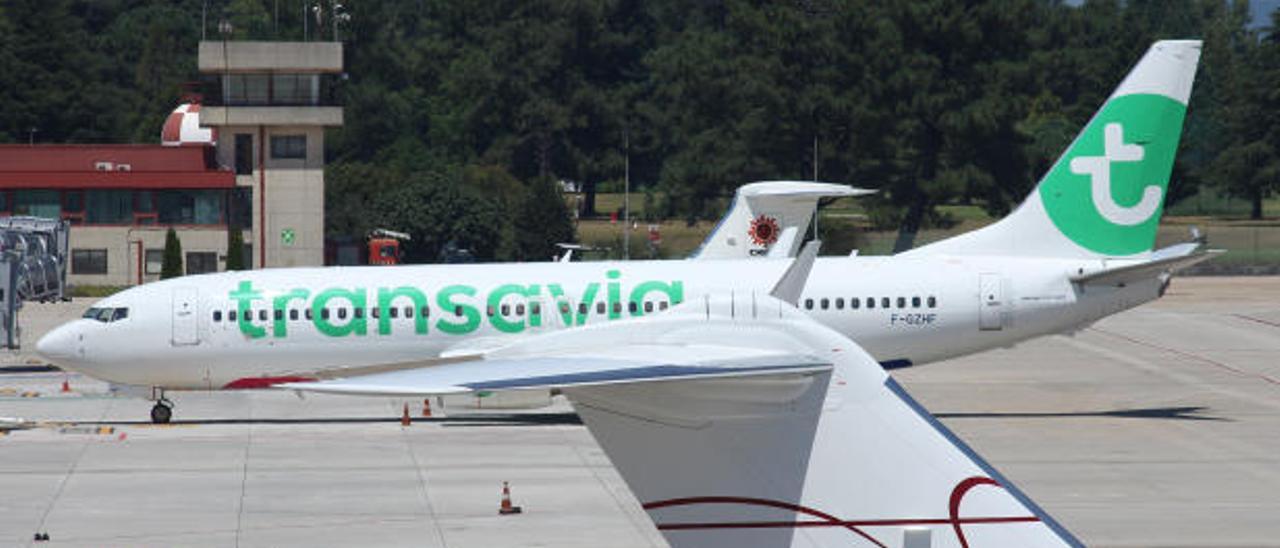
{"type": "Point", "coordinates": [95, 291]}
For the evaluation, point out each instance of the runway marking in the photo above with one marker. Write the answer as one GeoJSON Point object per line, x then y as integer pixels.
{"type": "Point", "coordinates": [1187, 355]}
{"type": "Point", "coordinates": [1257, 320]}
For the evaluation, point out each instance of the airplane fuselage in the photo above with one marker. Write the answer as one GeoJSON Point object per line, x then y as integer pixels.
{"type": "Point", "coordinates": [252, 328]}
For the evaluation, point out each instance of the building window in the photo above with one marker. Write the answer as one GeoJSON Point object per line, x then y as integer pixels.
{"type": "Point", "coordinates": [244, 154]}
{"type": "Point", "coordinates": [190, 207]}
{"type": "Point", "coordinates": [240, 207]}
{"type": "Point", "coordinates": [88, 261]}
{"type": "Point", "coordinates": [154, 261]}
{"type": "Point", "coordinates": [295, 89]}
{"type": "Point", "coordinates": [109, 207]}
{"type": "Point", "coordinates": [289, 147]}
{"type": "Point", "coordinates": [37, 203]}
{"type": "Point", "coordinates": [201, 262]}
{"type": "Point", "coordinates": [247, 89]}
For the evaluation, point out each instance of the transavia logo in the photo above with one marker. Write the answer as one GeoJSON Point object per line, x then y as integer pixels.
{"type": "Point", "coordinates": [1107, 191]}
{"type": "Point", "coordinates": [1098, 168]}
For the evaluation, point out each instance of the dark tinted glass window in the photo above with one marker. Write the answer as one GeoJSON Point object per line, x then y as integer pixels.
{"type": "Point", "coordinates": [88, 261]}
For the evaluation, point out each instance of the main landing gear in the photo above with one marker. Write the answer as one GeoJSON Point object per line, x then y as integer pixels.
{"type": "Point", "coordinates": [162, 411]}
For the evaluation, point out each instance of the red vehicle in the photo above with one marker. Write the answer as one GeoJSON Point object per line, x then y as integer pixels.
{"type": "Point", "coordinates": [384, 246]}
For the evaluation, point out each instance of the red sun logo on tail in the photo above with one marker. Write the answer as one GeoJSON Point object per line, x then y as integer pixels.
{"type": "Point", "coordinates": [764, 230]}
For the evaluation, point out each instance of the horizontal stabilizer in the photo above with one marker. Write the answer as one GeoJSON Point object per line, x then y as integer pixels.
{"type": "Point", "coordinates": [1147, 270]}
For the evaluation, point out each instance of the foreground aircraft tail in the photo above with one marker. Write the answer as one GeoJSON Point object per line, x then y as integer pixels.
{"type": "Point", "coordinates": [1103, 197]}
{"type": "Point", "coordinates": [738, 421]}
{"type": "Point", "coordinates": [768, 219]}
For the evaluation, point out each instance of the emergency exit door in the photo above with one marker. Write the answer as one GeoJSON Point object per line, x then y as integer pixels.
{"type": "Point", "coordinates": [184, 316]}
{"type": "Point", "coordinates": [991, 302]}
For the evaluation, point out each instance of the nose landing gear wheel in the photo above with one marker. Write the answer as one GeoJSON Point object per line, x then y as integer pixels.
{"type": "Point", "coordinates": [161, 413]}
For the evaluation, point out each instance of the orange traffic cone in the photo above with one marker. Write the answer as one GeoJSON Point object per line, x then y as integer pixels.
{"type": "Point", "coordinates": [404, 419]}
{"type": "Point", "coordinates": [506, 508]}
{"type": "Point", "coordinates": [426, 407]}
{"type": "Point", "coordinates": [66, 386]}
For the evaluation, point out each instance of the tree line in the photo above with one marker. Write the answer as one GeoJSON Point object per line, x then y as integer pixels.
{"type": "Point", "coordinates": [462, 116]}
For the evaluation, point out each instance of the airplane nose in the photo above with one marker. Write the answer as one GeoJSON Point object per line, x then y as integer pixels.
{"type": "Point", "coordinates": [60, 345]}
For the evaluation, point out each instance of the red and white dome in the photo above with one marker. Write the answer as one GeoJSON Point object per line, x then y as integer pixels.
{"type": "Point", "coordinates": [182, 128]}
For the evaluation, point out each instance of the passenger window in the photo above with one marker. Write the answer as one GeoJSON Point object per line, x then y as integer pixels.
{"type": "Point", "coordinates": [632, 307]}
{"type": "Point", "coordinates": [600, 308]}
{"type": "Point", "coordinates": [324, 313]}
{"type": "Point", "coordinates": [342, 313]}
{"type": "Point", "coordinates": [826, 303]}
{"type": "Point", "coordinates": [359, 313]}
{"type": "Point", "coordinates": [662, 305]}
{"type": "Point", "coordinates": [489, 310]}
{"type": "Point", "coordinates": [279, 314]}
{"type": "Point", "coordinates": [854, 303]}
{"type": "Point", "coordinates": [871, 302]}
{"type": "Point", "coordinates": [506, 310]}
{"type": "Point", "coordinates": [564, 307]}
{"type": "Point", "coordinates": [262, 315]}
{"type": "Point", "coordinates": [915, 302]}
{"type": "Point", "coordinates": [293, 314]}
{"type": "Point", "coordinates": [457, 310]}
{"type": "Point", "coordinates": [375, 313]}
{"type": "Point", "coordinates": [648, 306]}
{"type": "Point", "coordinates": [933, 302]}
{"type": "Point", "coordinates": [217, 315]}
{"type": "Point", "coordinates": [884, 302]}
{"type": "Point", "coordinates": [582, 308]}
{"type": "Point", "coordinates": [426, 311]}
{"type": "Point", "coordinates": [808, 304]}
{"type": "Point", "coordinates": [535, 309]}
{"type": "Point", "coordinates": [408, 311]}
{"type": "Point", "coordinates": [617, 308]}
{"type": "Point", "coordinates": [309, 314]}
{"type": "Point", "coordinates": [902, 302]}
{"type": "Point", "coordinates": [395, 312]}
{"type": "Point", "coordinates": [231, 316]}
{"type": "Point", "coordinates": [839, 303]}
{"type": "Point", "coordinates": [520, 310]}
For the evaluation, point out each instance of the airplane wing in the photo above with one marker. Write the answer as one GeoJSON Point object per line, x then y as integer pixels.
{"type": "Point", "coordinates": [1165, 261]}
{"type": "Point", "coordinates": [738, 421]}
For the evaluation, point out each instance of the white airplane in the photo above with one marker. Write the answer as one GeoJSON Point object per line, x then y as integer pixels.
{"type": "Point", "coordinates": [739, 421]}
{"type": "Point", "coordinates": [1078, 249]}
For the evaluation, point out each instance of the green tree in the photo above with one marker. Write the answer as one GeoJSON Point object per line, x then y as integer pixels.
{"type": "Point", "coordinates": [543, 222]}
{"type": "Point", "coordinates": [235, 249]}
{"type": "Point", "coordinates": [172, 265]}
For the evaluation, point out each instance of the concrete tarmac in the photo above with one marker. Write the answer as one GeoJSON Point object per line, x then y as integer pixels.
{"type": "Point", "coordinates": [1156, 427]}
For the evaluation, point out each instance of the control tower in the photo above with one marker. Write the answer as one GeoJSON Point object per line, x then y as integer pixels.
{"type": "Point", "coordinates": [270, 103]}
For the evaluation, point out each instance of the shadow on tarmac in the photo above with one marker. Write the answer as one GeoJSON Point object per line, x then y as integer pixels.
{"type": "Point", "coordinates": [1178, 413]}
{"type": "Point", "coordinates": [469, 420]}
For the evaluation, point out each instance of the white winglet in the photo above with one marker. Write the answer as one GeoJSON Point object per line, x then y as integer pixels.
{"type": "Point", "coordinates": [791, 285]}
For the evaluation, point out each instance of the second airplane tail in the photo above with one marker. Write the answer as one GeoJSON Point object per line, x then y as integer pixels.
{"type": "Point", "coordinates": [1103, 197]}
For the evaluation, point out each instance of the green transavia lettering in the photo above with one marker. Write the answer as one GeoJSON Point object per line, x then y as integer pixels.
{"type": "Point", "coordinates": [459, 309]}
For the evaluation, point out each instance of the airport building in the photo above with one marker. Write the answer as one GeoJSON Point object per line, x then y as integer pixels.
{"type": "Point", "coordinates": [245, 153]}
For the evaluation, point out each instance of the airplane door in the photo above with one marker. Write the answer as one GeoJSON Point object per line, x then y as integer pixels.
{"type": "Point", "coordinates": [991, 302]}
{"type": "Point", "coordinates": [184, 316]}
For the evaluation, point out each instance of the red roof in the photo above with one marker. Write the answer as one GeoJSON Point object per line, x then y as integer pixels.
{"type": "Point", "coordinates": [110, 166]}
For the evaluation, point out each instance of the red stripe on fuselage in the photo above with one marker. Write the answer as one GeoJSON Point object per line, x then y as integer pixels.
{"type": "Point", "coordinates": [250, 383]}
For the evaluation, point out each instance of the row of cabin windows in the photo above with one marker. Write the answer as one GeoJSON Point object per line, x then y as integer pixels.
{"type": "Point", "coordinates": [408, 311]}
{"type": "Point", "coordinates": [885, 302]}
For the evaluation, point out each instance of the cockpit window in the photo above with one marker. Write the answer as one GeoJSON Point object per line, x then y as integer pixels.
{"type": "Point", "coordinates": [106, 315]}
